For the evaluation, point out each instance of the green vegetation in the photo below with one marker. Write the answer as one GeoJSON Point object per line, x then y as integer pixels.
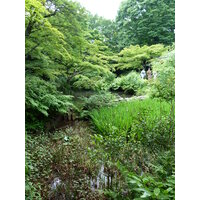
{"type": "Point", "coordinates": [94, 128]}
{"type": "Point", "coordinates": [146, 22]}
{"type": "Point", "coordinates": [138, 135]}
{"type": "Point", "coordinates": [136, 57]}
{"type": "Point", "coordinates": [121, 117]}
{"type": "Point", "coordinates": [63, 154]}
{"type": "Point", "coordinates": [129, 83]}
{"type": "Point", "coordinates": [164, 85]}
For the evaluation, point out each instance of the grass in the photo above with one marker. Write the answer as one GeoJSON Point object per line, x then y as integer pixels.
{"type": "Point", "coordinates": [119, 119]}
{"type": "Point", "coordinates": [138, 135]}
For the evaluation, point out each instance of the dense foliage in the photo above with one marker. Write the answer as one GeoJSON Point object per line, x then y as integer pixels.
{"type": "Point", "coordinates": [63, 155]}
{"type": "Point", "coordinates": [62, 54]}
{"type": "Point", "coordinates": [138, 137]}
{"type": "Point", "coordinates": [164, 85]}
{"type": "Point", "coordinates": [136, 57]}
{"type": "Point", "coordinates": [130, 83]}
{"type": "Point", "coordinates": [146, 22]}
{"type": "Point", "coordinates": [107, 28]}
{"type": "Point", "coordinates": [84, 127]}
{"type": "Point", "coordinates": [137, 120]}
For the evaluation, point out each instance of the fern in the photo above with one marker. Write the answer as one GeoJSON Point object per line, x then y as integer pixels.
{"type": "Point", "coordinates": [42, 98]}
{"type": "Point", "coordinates": [129, 83]}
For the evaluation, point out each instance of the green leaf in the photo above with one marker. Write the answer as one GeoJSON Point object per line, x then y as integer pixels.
{"type": "Point", "coordinates": [156, 191]}
{"type": "Point", "coordinates": [146, 194]}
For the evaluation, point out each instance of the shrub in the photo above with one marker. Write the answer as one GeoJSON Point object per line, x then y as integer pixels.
{"type": "Point", "coordinates": [43, 99]}
{"type": "Point", "coordinates": [130, 83]}
{"type": "Point", "coordinates": [98, 100]}
{"type": "Point", "coordinates": [164, 86]}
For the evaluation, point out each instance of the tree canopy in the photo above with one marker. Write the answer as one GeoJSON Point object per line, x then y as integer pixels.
{"type": "Point", "coordinates": [146, 22]}
{"type": "Point", "coordinates": [68, 50]}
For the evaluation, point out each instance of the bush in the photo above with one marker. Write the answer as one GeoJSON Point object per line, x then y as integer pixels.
{"type": "Point", "coordinates": [130, 83]}
{"type": "Point", "coordinates": [164, 86]}
{"type": "Point", "coordinates": [96, 101]}
{"type": "Point", "coordinates": [43, 99]}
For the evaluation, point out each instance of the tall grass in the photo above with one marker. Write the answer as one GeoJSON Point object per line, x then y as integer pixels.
{"type": "Point", "coordinates": [139, 136]}
{"type": "Point", "coordinates": [119, 119]}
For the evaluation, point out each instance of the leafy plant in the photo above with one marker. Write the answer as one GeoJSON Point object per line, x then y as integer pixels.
{"type": "Point", "coordinates": [137, 57]}
{"type": "Point", "coordinates": [98, 100]}
{"type": "Point", "coordinates": [129, 83]}
{"type": "Point", "coordinates": [164, 85]}
{"type": "Point", "coordinates": [144, 187]}
{"type": "Point", "coordinates": [31, 192]}
{"type": "Point", "coordinates": [154, 131]}
{"type": "Point", "coordinates": [69, 54]}
{"type": "Point", "coordinates": [42, 99]}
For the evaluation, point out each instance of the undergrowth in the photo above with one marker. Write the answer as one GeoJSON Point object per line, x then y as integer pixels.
{"type": "Point", "coordinates": [64, 155]}
{"type": "Point", "coordinates": [138, 138]}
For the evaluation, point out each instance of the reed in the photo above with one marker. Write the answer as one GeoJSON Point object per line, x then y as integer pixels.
{"type": "Point", "coordinates": [119, 119]}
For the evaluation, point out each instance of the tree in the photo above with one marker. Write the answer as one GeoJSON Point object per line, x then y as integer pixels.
{"type": "Point", "coordinates": [136, 58]}
{"type": "Point", "coordinates": [146, 22]}
{"type": "Point", "coordinates": [62, 54]}
{"type": "Point", "coordinates": [45, 51]}
{"type": "Point", "coordinates": [46, 58]}
{"type": "Point", "coordinates": [106, 28]}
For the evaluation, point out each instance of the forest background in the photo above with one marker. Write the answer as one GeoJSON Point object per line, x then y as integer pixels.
{"type": "Point", "coordinates": [15, 89]}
